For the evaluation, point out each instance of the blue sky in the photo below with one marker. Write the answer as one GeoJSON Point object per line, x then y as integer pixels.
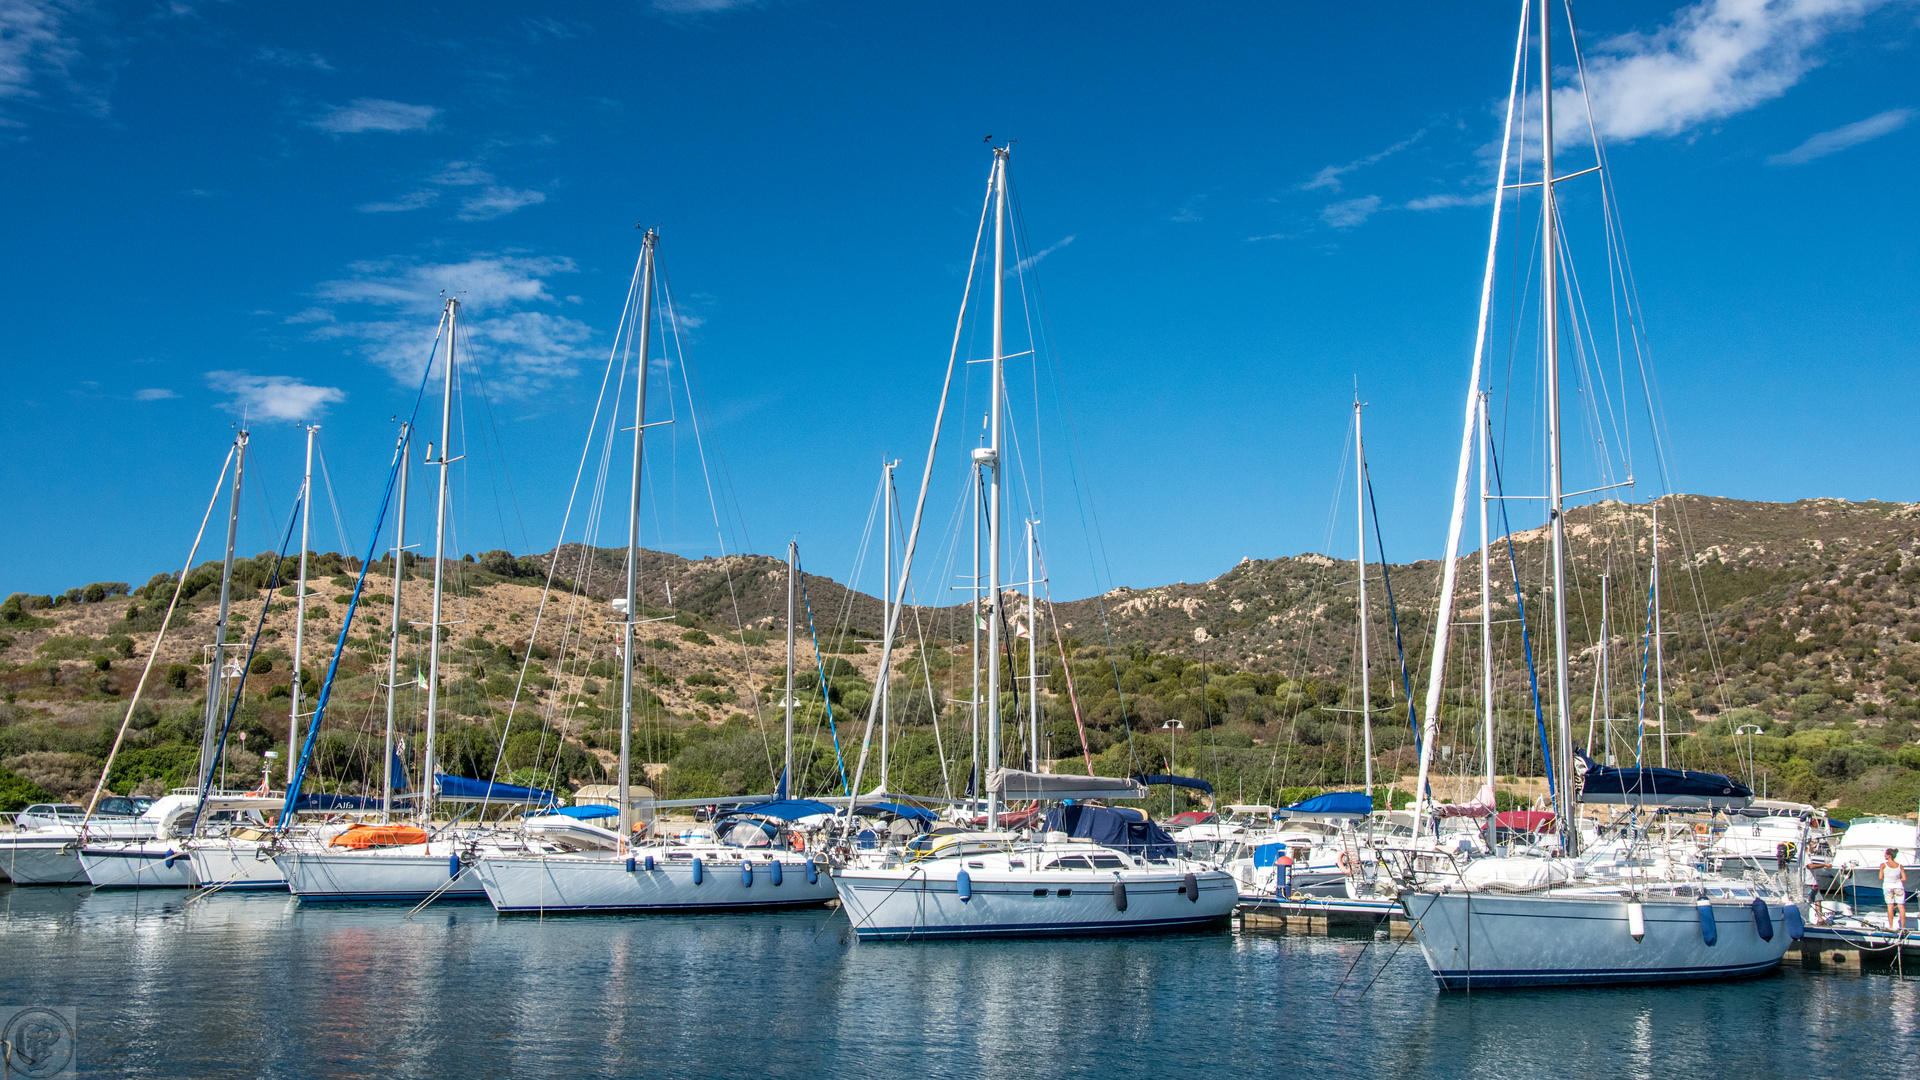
{"type": "Point", "coordinates": [230, 208]}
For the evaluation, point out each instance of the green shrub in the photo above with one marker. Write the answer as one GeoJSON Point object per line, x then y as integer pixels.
{"type": "Point", "coordinates": [17, 792]}
{"type": "Point", "coordinates": [696, 637]}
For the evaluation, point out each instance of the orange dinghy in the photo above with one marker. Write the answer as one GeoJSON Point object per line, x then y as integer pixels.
{"type": "Point", "coordinates": [377, 836]}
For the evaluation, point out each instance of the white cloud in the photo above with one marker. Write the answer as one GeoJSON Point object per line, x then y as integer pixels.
{"type": "Point", "coordinates": [1270, 236]}
{"type": "Point", "coordinates": [1329, 177]}
{"type": "Point", "coordinates": [1350, 212]}
{"type": "Point", "coordinates": [375, 114]}
{"type": "Point", "coordinates": [412, 200]}
{"type": "Point", "coordinates": [700, 7]}
{"type": "Point", "coordinates": [273, 397]}
{"type": "Point", "coordinates": [1840, 138]}
{"type": "Point", "coordinates": [496, 201]}
{"type": "Point", "coordinates": [154, 394]}
{"type": "Point", "coordinates": [1033, 260]}
{"type": "Point", "coordinates": [289, 58]}
{"type": "Point", "coordinates": [520, 348]}
{"type": "Point", "coordinates": [1445, 201]}
{"type": "Point", "coordinates": [36, 43]}
{"type": "Point", "coordinates": [1715, 59]}
{"type": "Point", "coordinates": [1189, 211]}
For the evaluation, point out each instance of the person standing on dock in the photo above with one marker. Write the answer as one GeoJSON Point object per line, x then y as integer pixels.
{"type": "Point", "coordinates": [1893, 882]}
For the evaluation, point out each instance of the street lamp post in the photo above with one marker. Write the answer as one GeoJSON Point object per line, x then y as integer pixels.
{"type": "Point", "coordinates": [1173, 729]}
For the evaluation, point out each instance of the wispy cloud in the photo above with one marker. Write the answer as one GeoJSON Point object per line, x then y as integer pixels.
{"type": "Point", "coordinates": [1329, 177]}
{"type": "Point", "coordinates": [1189, 211]}
{"type": "Point", "coordinates": [1840, 138]}
{"type": "Point", "coordinates": [154, 394]}
{"type": "Point", "coordinates": [700, 7]}
{"type": "Point", "coordinates": [1446, 201]}
{"type": "Point", "coordinates": [1715, 59]}
{"type": "Point", "coordinates": [40, 45]}
{"type": "Point", "coordinates": [495, 201]}
{"type": "Point", "coordinates": [491, 201]}
{"type": "Point", "coordinates": [1033, 260]}
{"type": "Point", "coordinates": [387, 311]}
{"type": "Point", "coordinates": [1350, 212]}
{"type": "Point", "coordinates": [289, 58]}
{"type": "Point", "coordinates": [1269, 236]}
{"type": "Point", "coordinates": [273, 397]}
{"type": "Point", "coordinates": [375, 114]}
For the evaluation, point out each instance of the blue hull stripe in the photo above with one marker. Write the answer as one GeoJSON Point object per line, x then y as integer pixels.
{"type": "Point", "coordinates": [1487, 980]}
{"type": "Point", "coordinates": [667, 909]}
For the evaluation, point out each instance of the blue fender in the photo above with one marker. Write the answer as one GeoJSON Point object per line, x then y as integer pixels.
{"type": "Point", "coordinates": [453, 865]}
{"type": "Point", "coordinates": [773, 871]}
{"type": "Point", "coordinates": [699, 872]}
{"type": "Point", "coordinates": [746, 873]}
{"type": "Point", "coordinates": [813, 872]}
{"type": "Point", "coordinates": [649, 864]}
{"type": "Point", "coordinates": [1120, 896]}
{"type": "Point", "coordinates": [1709, 933]}
{"type": "Point", "coordinates": [1762, 919]}
{"type": "Point", "coordinates": [1796, 928]}
{"type": "Point", "coordinates": [964, 885]}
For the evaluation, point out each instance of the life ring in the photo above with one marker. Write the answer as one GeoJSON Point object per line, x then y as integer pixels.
{"type": "Point", "coordinates": [1344, 862]}
{"type": "Point", "coordinates": [1701, 829]}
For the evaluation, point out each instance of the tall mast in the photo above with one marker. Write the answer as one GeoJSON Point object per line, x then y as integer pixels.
{"type": "Point", "coordinates": [978, 776]}
{"type": "Point", "coordinates": [300, 604]}
{"type": "Point", "coordinates": [993, 486]}
{"type": "Point", "coordinates": [1033, 655]}
{"type": "Point", "coordinates": [393, 630]}
{"type": "Point", "coordinates": [216, 678]}
{"type": "Point", "coordinates": [1659, 655]}
{"type": "Point", "coordinates": [793, 577]}
{"type": "Point", "coordinates": [1605, 679]}
{"type": "Point", "coordinates": [1550, 314]}
{"type": "Point", "coordinates": [884, 681]}
{"type": "Point", "coordinates": [1360, 521]}
{"type": "Point", "coordinates": [1486, 598]}
{"type": "Point", "coordinates": [445, 461]}
{"type": "Point", "coordinates": [632, 613]}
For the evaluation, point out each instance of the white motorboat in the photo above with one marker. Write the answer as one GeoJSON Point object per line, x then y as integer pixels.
{"type": "Point", "coordinates": [1853, 874]}
{"type": "Point", "coordinates": [1771, 835]}
{"type": "Point", "coordinates": [984, 885]}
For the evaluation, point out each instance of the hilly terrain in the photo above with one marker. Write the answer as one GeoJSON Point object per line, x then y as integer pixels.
{"type": "Point", "coordinates": [1792, 625]}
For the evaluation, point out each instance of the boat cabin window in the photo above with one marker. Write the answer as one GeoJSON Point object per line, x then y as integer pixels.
{"type": "Point", "coordinates": [1071, 862]}
{"type": "Point", "coordinates": [1108, 862]}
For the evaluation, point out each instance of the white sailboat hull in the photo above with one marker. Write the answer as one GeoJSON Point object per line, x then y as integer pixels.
{"type": "Point", "coordinates": [586, 884]}
{"type": "Point", "coordinates": [394, 875]}
{"type": "Point", "coordinates": [923, 903]}
{"type": "Point", "coordinates": [42, 860]}
{"type": "Point", "coordinates": [1482, 940]}
{"type": "Point", "coordinates": [138, 864]}
{"type": "Point", "coordinates": [235, 864]}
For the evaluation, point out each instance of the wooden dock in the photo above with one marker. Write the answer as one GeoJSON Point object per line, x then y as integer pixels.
{"type": "Point", "coordinates": [1319, 915]}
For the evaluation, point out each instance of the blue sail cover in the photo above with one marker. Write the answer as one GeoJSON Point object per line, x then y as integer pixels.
{"type": "Point", "coordinates": [1120, 827]}
{"type": "Point", "coordinates": [1648, 786]}
{"type": "Point", "coordinates": [463, 789]}
{"type": "Point", "coordinates": [579, 813]}
{"type": "Point", "coordinates": [1177, 781]}
{"type": "Point", "coordinates": [1335, 803]}
{"type": "Point", "coordinates": [783, 809]}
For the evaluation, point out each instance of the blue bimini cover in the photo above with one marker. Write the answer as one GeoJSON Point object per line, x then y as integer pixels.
{"type": "Point", "coordinates": [1119, 827]}
{"type": "Point", "coordinates": [1647, 786]}
{"type": "Point", "coordinates": [582, 813]}
{"type": "Point", "coordinates": [465, 789]}
{"type": "Point", "coordinates": [783, 809]}
{"type": "Point", "coordinates": [1176, 781]}
{"type": "Point", "coordinates": [1337, 803]}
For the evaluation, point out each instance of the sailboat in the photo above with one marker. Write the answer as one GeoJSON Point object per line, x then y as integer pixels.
{"type": "Point", "coordinates": [1092, 869]}
{"type": "Point", "coordinates": [1559, 919]}
{"type": "Point", "coordinates": [697, 873]}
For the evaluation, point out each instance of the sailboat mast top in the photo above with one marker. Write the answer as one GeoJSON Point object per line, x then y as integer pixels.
{"type": "Point", "coordinates": [645, 321]}
{"type": "Point", "coordinates": [429, 767]}
{"type": "Point", "coordinates": [216, 678]}
{"type": "Point", "coordinates": [993, 483]}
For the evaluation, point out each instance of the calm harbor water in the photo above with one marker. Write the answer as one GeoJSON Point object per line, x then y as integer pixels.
{"type": "Point", "coordinates": [238, 986]}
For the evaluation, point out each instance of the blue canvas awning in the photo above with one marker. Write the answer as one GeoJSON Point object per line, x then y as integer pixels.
{"type": "Point", "coordinates": [1120, 827]}
{"type": "Point", "coordinates": [783, 809]}
{"type": "Point", "coordinates": [1648, 786]}
{"type": "Point", "coordinates": [465, 789]}
{"type": "Point", "coordinates": [1335, 804]}
{"type": "Point", "coordinates": [1177, 781]}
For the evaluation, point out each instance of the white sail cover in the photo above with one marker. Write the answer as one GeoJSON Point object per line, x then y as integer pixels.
{"type": "Point", "coordinates": [1015, 784]}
